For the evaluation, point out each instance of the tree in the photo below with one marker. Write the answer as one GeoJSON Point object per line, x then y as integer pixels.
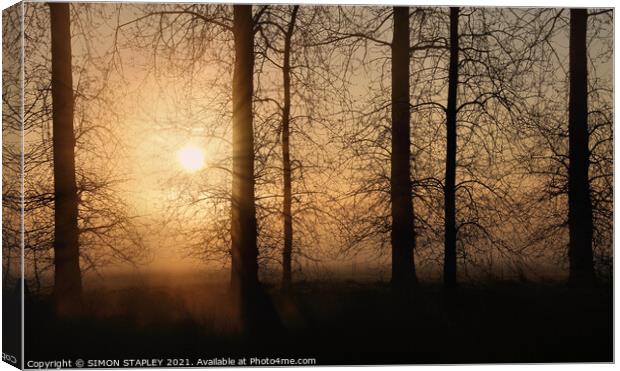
{"type": "Point", "coordinates": [402, 233]}
{"type": "Point", "coordinates": [384, 186]}
{"type": "Point", "coordinates": [11, 147]}
{"type": "Point", "coordinates": [257, 312]}
{"type": "Point", "coordinates": [547, 148]}
{"type": "Point", "coordinates": [12, 175]}
{"type": "Point", "coordinates": [108, 229]}
{"type": "Point", "coordinates": [579, 201]}
{"type": "Point", "coordinates": [244, 252]}
{"type": "Point", "coordinates": [286, 156]}
{"type": "Point", "coordinates": [235, 235]}
{"type": "Point", "coordinates": [67, 275]}
{"type": "Point", "coordinates": [289, 169]}
{"type": "Point", "coordinates": [450, 180]}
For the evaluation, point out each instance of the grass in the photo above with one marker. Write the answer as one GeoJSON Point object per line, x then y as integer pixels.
{"type": "Point", "coordinates": [337, 323]}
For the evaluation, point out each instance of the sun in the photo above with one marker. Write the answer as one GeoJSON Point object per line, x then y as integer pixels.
{"type": "Point", "coordinates": [191, 158]}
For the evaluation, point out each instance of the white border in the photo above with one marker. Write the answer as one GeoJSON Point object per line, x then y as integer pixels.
{"type": "Point", "coordinates": [504, 3]}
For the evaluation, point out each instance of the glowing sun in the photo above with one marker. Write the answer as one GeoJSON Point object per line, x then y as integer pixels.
{"type": "Point", "coordinates": [191, 158]}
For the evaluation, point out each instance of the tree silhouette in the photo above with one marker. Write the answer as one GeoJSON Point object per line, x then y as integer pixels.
{"type": "Point", "coordinates": [67, 275]}
{"type": "Point", "coordinates": [12, 175]}
{"type": "Point", "coordinates": [402, 232]}
{"type": "Point", "coordinates": [244, 252]}
{"type": "Point", "coordinates": [548, 153]}
{"type": "Point", "coordinates": [579, 201]}
{"type": "Point", "coordinates": [450, 181]}
{"type": "Point", "coordinates": [257, 312]}
{"type": "Point", "coordinates": [12, 169]}
{"type": "Point", "coordinates": [286, 156]}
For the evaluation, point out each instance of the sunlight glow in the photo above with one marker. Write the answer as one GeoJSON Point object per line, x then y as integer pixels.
{"type": "Point", "coordinates": [191, 158]}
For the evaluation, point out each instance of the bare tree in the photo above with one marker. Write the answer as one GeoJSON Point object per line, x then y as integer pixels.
{"type": "Point", "coordinates": [288, 123]}
{"type": "Point", "coordinates": [108, 229]}
{"type": "Point", "coordinates": [450, 180]}
{"type": "Point", "coordinates": [12, 166]}
{"type": "Point", "coordinates": [551, 144]}
{"type": "Point", "coordinates": [363, 35]}
{"type": "Point", "coordinates": [257, 312]}
{"type": "Point", "coordinates": [286, 157]}
{"type": "Point", "coordinates": [67, 277]}
{"type": "Point", "coordinates": [244, 252]}
{"type": "Point", "coordinates": [402, 232]}
{"type": "Point", "coordinates": [579, 201]}
{"type": "Point", "coordinates": [12, 175]}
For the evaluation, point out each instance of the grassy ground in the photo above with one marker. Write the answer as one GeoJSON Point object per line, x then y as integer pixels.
{"type": "Point", "coordinates": [338, 323]}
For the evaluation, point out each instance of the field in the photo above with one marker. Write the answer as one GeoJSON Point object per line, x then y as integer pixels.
{"type": "Point", "coordinates": [336, 323]}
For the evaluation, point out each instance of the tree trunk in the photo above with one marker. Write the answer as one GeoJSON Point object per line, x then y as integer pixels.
{"type": "Point", "coordinates": [257, 313]}
{"type": "Point", "coordinates": [449, 269]}
{"type": "Point", "coordinates": [579, 202]}
{"type": "Point", "coordinates": [68, 282]}
{"type": "Point", "coordinates": [403, 235]}
{"type": "Point", "coordinates": [286, 155]}
{"type": "Point", "coordinates": [244, 250]}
